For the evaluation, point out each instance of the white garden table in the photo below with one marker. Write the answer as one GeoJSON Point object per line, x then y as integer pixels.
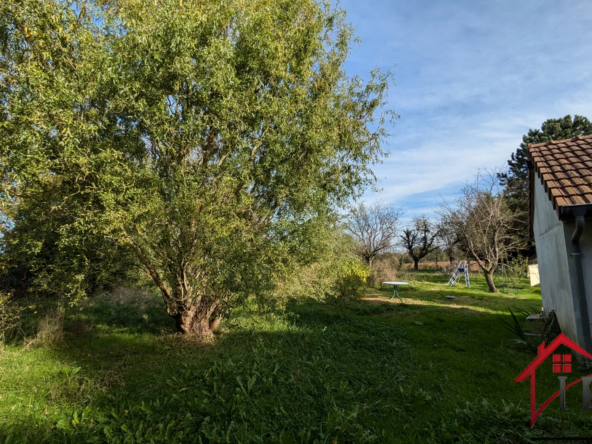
{"type": "Point", "coordinates": [395, 287]}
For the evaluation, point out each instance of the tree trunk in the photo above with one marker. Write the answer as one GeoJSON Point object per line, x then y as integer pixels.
{"type": "Point", "coordinates": [416, 264]}
{"type": "Point", "coordinates": [195, 321]}
{"type": "Point", "coordinates": [215, 324]}
{"type": "Point", "coordinates": [192, 315]}
{"type": "Point", "coordinates": [489, 280]}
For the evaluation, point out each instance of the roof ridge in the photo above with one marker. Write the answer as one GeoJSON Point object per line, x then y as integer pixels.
{"type": "Point", "coordinates": [553, 142]}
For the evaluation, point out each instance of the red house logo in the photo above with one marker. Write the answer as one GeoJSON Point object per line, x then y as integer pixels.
{"type": "Point", "coordinates": [562, 364]}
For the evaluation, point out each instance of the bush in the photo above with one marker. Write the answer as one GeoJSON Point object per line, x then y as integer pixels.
{"type": "Point", "coordinates": [50, 330]}
{"type": "Point", "coordinates": [351, 281]}
{"type": "Point", "coordinates": [10, 315]}
{"type": "Point", "coordinates": [384, 268]}
{"type": "Point", "coordinates": [317, 276]}
{"type": "Point", "coordinates": [514, 270]}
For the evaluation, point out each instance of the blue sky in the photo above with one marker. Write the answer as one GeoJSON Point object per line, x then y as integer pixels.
{"type": "Point", "coordinates": [471, 78]}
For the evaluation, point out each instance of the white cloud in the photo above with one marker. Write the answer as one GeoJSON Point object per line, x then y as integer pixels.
{"type": "Point", "coordinates": [472, 78]}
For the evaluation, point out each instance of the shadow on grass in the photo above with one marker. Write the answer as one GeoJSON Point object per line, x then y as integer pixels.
{"type": "Point", "coordinates": [317, 372]}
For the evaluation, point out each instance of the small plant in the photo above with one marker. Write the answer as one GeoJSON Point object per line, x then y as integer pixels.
{"type": "Point", "coordinates": [547, 330]}
{"type": "Point", "coordinates": [515, 327]}
{"type": "Point", "coordinates": [526, 312]}
{"type": "Point", "coordinates": [551, 329]}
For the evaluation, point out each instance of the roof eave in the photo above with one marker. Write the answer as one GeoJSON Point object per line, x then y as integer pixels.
{"type": "Point", "coordinates": [569, 212]}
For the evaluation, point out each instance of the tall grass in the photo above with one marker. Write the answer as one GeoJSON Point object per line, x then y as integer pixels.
{"type": "Point", "coordinates": [312, 372]}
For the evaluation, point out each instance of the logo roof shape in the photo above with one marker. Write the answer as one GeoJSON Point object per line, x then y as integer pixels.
{"type": "Point", "coordinates": [530, 371]}
{"type": "Point", "coordinates": [544, 353]}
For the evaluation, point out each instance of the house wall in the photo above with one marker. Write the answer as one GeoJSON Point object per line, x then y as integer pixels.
{"type": "Point", "coordinates": [554, 263]}
{"type": "Point", "coordinates": [586, 254]}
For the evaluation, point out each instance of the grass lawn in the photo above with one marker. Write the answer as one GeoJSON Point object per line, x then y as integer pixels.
{"type": "Point", "coordinates": [423, 370]}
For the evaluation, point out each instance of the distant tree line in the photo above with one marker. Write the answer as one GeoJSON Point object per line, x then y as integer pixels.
{"type": "Point", "coordinates": [487, 223]}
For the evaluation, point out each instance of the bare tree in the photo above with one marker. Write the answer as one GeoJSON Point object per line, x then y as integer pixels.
{"type": "Point", "coordinates": [420, 239]}
{"type": "Point", "coordinates": [483, 223]}
{"type": "Point", "coordinates": [374, 228]}
{"type": "Point", "coordinates": [448, 241]}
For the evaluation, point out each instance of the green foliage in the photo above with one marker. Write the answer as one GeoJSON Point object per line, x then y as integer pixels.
{"type": "Point", "coordinates": [335, 271]}
{"type": "Point", "coordinates": [384, 267]}
{"type": "Point", "coordinates": [514, 270]}
{"type": "Point", "coordinates": [547, 328]}
{"type": "Point", "coordinates": [10, 315]}
{"type": "Point", "coordinates": [483, 422]}
{"type": "Point", "coordinates": [515, 327]}
{"type": "Point", "coordinates": [351, 279]}
{"type": "Point", "coordinates": [280, 378]}
{"type": "Point", "coordinates": [313, 372]}
{"type": "Point", "coordinates": [210, 139]}
{"type": "Point", "coordinates": [315, 275]}
{"type": "Point", "coordinates": [40, 258]}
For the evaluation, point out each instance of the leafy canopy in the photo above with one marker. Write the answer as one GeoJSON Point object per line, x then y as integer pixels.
{"type": "Point", "coordinates": [210, 138]}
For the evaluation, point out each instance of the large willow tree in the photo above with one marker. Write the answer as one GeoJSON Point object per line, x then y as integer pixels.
{"type": "Point", "coordinates": [210, 138]}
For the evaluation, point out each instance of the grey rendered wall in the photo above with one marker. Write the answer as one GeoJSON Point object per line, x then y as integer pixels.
{"type": "Point", "coordinates": [586, 249]}
{"type": "Point", "coordinates": [586, 252]}
{"type": "Point", "coordinates": [554, 263]}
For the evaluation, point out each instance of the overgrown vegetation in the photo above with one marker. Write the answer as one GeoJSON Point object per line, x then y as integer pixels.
{"type": "Point", "coordinates": [210, 141]}
{"type": "Point", "coordinates": [425, 370]}
{"type": "Point", "coordinates": [385, 267]}
{"type": "Point", "coordinates": [174, 170]}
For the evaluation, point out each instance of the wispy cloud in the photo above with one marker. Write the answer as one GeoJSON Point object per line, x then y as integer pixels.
{"type": "Point", "coordinates": [472, 78]}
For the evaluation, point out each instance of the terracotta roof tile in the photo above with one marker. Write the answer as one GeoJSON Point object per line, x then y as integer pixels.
{"type": "Point", "coordinates": [565, 169]}
{"type": "Point", "coordinates": [561, 201]}
{"type": "Point", "coordinates": [573, 174]}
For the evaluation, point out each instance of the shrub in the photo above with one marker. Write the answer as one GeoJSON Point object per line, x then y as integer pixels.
{"type": "Point", "coordinates": [317, 277]}
{"type": "Point", "coordinates": [384, 268]}
{"type": "Point", "coordinates": [351, 280]}
{"type": "Point", "coordinates": [10, 315]}
{"type": "Point", "coordinates": [514, 270]}
{"type": "Point", "coordinates": [50, 330]}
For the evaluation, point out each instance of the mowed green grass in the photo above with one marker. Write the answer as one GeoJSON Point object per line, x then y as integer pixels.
{"type": "Point", "coordinates": [422, 370]}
